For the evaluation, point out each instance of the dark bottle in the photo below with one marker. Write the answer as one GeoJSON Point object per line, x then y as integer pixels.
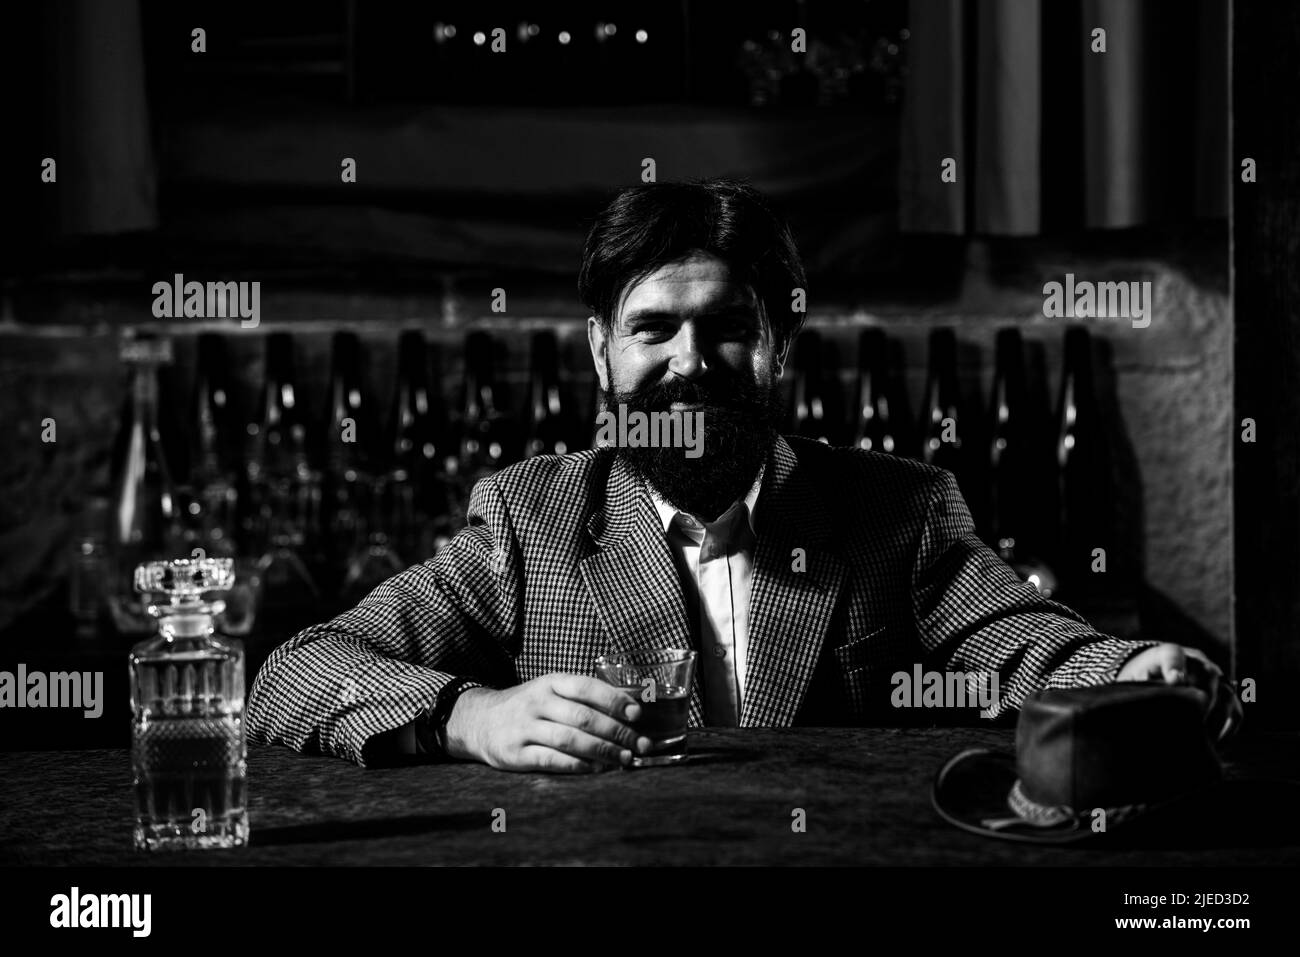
{"type": "Point", "coordinates": [548, 430]}
{"type": "Point", "coordinates": [284, 489]}
{"type": "Point", "coordinates": [348, 467]}
{"type": "Point", "coordinates": [277, 444]}
{"type": "Point", "coordinates": [1018, 483]}
{"type": "Point", "coordinates": [417, 434]}
{"type": "Point", "coordinates": [1082, 469]}
{"type": "Point", "coordinates": [145, 523]}
{"type": "Point", "coordinates": [212, 479]}
{"type": "Point", "coordinates": [485, 438]}
{"type": "Point", "coordinates": [420, 507]}
{"type": "Point", "coordinates": [813, 408]}
{"type": "Point", "coordinates": [1010, 453]}
{"type": "Point", "coordinates": [876, 430]}
{"type": "Point", "coordinates": [943, 439]}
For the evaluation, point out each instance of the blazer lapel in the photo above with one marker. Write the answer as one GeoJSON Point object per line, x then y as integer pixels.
{"type": "Point", "coordinates": [631, 577]}
{"type": "Point", "coordinates": [790, 610]}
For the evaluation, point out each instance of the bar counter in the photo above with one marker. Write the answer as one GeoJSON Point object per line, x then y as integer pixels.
{"type": "Point", "coordinates": [864, 794]}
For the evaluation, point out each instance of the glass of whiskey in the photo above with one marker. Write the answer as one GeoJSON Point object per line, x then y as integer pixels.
{"type": "Point", "coordinates": [187, 705]}
{"type": "Point", "coordinates": [659, 681]}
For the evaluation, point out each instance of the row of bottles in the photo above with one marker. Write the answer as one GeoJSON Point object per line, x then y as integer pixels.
{"type": "Point", "coordinates": [305, 521]}
{"type": "Point", "coordinates": [311, 519]}
{"type": "Point", "coordinates": [1036, 479]}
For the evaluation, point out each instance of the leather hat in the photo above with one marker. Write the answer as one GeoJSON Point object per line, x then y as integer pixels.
{"type": "Point", "coordinates": [1088, 760]}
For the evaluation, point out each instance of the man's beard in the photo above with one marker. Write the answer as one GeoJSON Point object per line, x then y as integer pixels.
{"type": "Point", "coordinates": [740, 420]}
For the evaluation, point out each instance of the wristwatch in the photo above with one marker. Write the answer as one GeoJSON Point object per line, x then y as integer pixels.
{"type": "Point", "coordinates": [431, 723]}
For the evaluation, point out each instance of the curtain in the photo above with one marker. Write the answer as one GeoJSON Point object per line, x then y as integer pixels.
{"type": "Point", "coordinates": [1049, 134]}
{"type": "Point", "coordinates": [100, 138]}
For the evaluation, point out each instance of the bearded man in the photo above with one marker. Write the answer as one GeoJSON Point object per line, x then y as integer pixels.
{"type": "Point", "coordinates": [804, 576]}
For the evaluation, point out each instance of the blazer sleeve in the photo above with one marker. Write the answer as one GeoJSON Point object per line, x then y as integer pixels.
{"type": "Point", "coordinates": [974, 614]}
{"type": "Point", "coordinates": [436, 628]}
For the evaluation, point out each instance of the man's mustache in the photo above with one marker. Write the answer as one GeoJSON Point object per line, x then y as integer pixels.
{"type": "Point", "coordinates": [719, 394]}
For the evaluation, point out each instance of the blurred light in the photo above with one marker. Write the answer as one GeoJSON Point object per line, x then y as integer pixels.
{"type": "Point", "coordinates": [451, 30]}
{"type": "Point", "coordinates": [533, 29]}
{"type": "Point", "coordinates": [904, 33]}
{"type": "Point", "coordinates": [564, 37]}
{"type": "Point", "coordinates": [443, 32]}
{"type": "Point", "coordinates": [642, 36]}
{"type": "Point", "coordinates": [479, 38]}
{"type": "Point", "coordinates": [610, 29]}
{"type": "Point", "coordinates": [892, 49]}
{"type": "Point", "coordinates": [774, 35]}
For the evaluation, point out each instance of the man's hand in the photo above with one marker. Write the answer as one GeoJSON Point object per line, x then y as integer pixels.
{"type": "Point", "coordinates": [1177, 665]}
{"type": "Point", "coordinates": [558, 722]}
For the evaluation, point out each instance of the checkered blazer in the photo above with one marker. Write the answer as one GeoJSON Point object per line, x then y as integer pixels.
{"type": "Point", "coordinates": [564, 558]}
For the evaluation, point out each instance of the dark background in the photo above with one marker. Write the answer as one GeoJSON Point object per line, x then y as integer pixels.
{"type": "Point", "coordinates": [479, 171]}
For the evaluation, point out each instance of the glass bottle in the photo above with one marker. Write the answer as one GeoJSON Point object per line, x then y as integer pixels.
{"type": "Point", "coordinates": [187, 703]}
{"type": "Point", "coordinates": [212, 528]}
{"type": "Point", "coordinates": [213, 480]}
{"type": "Point", "coordinates": [876, 431]}
{"type": "Point", "coordinates": [548, 428]}
{"type": "Point", "coordinates": [424, 457]}
{"type": "Point", "coordinates": [942, 442]}
{"type": "Point", "coordinates": [1015, 485]}
{"type": "Point", "coordinates": [1009, 453]}
{"type": "Point", "coordinates": [285, 489]}
{"type": "Point", "coordinates": [484, 429]}
{"type": "Point", "coordinates": [348, 473]}
{"type": "Point", "coordinates": [812, 412]}
{"type": "Point", "coordinates": [145, 520]}
{"type": "Point", "coordinates": [1082, 477]}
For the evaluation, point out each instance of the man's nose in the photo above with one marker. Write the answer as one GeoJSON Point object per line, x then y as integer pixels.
{"type": "Point", "coordinates": [687, 357]}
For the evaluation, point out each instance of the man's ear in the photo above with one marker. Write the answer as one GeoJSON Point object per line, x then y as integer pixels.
{"type": "Point", "coordinates": [598, 340]}
{"type": "Point", "coordinates": [780, 359]}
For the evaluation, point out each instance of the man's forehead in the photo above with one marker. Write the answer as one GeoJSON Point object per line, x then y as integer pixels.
{"type": "Point", "coordinates": [699, 283]}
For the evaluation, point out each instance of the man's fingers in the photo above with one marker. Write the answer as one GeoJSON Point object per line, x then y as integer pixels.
{"type": "Point", "coordinates": [577, 743]}
{"type": "Point", "coordinates": [597, 694]}
{"type": "Point", "coordinates": [536, 757]}
{"type": "Point", "coordinates": [584, 718]}
{"type": "Point", "coordinates": [1172, 661]}
{"type": "Point", "coordinates": [1223, 711]}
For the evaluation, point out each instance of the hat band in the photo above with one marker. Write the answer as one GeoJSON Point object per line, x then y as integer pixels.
{"type": "Point", "coordinates": [1029, 811]}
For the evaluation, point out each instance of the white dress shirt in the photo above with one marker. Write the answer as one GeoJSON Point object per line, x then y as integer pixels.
{"type": "Point", "coordinates": [716, 565]}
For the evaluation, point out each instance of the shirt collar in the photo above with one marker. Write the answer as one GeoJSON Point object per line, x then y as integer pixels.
{"type": "Point", "coordinates": [668, 512]}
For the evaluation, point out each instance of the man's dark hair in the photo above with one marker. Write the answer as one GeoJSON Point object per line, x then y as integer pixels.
{"type": "Point", "coordinates": [646, 227]}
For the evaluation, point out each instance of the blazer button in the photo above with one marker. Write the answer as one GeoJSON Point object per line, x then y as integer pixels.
{"type": "Point", "coordinates": [719, 651]}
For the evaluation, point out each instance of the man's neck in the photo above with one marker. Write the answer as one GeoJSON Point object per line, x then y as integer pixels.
{"type": "Point", "coordinates": [750, 497]}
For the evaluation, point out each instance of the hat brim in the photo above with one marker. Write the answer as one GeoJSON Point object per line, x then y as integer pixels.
{"type": "Point", "coordinates": [971, 789]}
